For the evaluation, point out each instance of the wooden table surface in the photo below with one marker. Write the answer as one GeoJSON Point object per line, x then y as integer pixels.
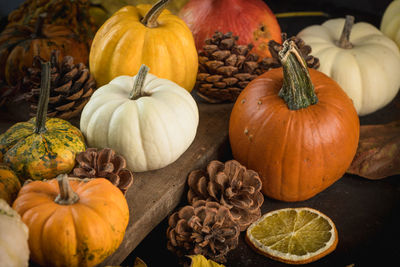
{"type": "Point", "coordinates": [365, 212]}
{"type": "Point", "coordinates": [154, 194]}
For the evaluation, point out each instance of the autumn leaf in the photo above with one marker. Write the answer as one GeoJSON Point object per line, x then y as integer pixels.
{"type": "Point", "coordinates": [201, 261]}
{"type": "Point", "coordinates": [378, 152]}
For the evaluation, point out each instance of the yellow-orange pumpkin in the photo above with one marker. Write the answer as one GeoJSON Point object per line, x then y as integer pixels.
{"type": "Point", "coordinates": [301, 138]}
{"type": "Point", "coordinates": [143, 35]}
{"type": "Point", "coordinates": [72, 222]}
{"type": "Point", "coordinates": [9, 184]}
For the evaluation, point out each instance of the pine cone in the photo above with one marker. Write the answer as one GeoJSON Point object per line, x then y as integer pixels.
{"type": "Point", "coordinates": [233, 186]}
{"type": "Point", "coordinates": [225, 68]}
{"type": "Point", "coordinates": [104, 163]}
{"type": "Point", "coordinates": [205, 228]}
{"type": "Point", "coordinates": [71, 86]}
{"type": "Point", "coordinates": [305, 50]}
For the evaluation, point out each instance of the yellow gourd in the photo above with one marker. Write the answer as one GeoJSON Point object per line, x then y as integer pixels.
{"type": "Point", "coordinates": [144, 35]}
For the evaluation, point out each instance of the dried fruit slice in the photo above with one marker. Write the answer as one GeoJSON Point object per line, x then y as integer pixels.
{"type": "Point", "coordinates": [293, 235]}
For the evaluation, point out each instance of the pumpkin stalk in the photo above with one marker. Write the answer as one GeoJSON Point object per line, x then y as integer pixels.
{"type": "Point", "coordinates": [41, 113]}
{"type": "Point", "coordinates": [150, 19]}
{"type": "Point", "coordinates": [344, 41]}
{"type": "Point", "coordinates": [297, 89]}
{"type": "Point", "coordinates": [39, 26]}
{"type": "Point", "coordinates": [67, 196]}
{"type": "Point", "coordinates": [137, 90]}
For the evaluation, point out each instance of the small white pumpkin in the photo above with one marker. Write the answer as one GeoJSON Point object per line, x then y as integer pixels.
{"type": "Point", "coordinates": [390, 24]}
{"type": "Point", "coordinates": [14, 248]}
{"type": "Point", "coordinates": [148, 120]}
{"type": "Point", "coordinates": [366, 64]}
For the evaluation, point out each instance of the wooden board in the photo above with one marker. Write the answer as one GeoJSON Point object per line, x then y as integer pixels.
{"type": "Point", "coordinates": [155, 194]}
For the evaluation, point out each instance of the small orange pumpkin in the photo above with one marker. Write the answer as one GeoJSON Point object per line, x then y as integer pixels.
{"type": "Point", "coordinates": [19, 44]}
{"type": "Point", "coordinates": [72, 222]}
{"type": "Point", "coordinates": [9, 184]}
{"type": "Point", "coordinates": [298, 139]}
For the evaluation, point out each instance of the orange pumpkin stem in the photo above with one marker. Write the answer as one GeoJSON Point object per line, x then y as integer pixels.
{"type": "Point", "coordinates": [297, 89]}
{"type": "Point", "coordinates": [67, 196]}
{"type": "Point", "coordinates": [344, 41]}
{"type": "Point", "coordinates": [137, 91]}
{"type": "Point", "coordinates": [41, 114]}
{"type": "Point", "coordinates": [150, 19]}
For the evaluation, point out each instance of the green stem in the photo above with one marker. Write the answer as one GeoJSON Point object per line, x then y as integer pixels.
{"type": "Point", "coordinates": [137, 90]}
{"type": "Point", "coordinates": [297, 89]}
{"type": "Point", "coordinates": [150, 19]}
{"type": "Point", "coordinates": [67, 196]}
{"type": "Point", "coordinates": [344, 41]}
{"type": "Point", "coordinates": [41, 114]}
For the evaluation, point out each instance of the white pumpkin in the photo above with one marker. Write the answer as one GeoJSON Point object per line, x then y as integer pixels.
{"type": "Point", "coordinates": [390, 24]}
{"type": "Point", "coordinates": [151, 130]}
{"type": "Point", "coordinates": [366, 65]}
{"type": "Point", "coordinates": [14, 248]}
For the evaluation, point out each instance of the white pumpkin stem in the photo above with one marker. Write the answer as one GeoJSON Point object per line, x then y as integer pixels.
{"type": "Point", "coordinates": [41, 113]}
{"type": "Point", "coordinates": [67, 196]}
{"type": "Point", "coordinates": [297, 89]}
{"type": "Point", "coordinates": [137, 90]}
{"type": "Point", "coordinates": [150, 19]}
{"type": "Point", "coordinates": [344, 41]}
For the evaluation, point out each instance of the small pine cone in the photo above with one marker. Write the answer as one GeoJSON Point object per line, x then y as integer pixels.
{"type": "Point", "coordinates": [70, 89]}
{"type": "Point", "coordinates": [305, 50]}
{"type": "Point", "coordinates": [104, 163]}
{"type": "Point", "coordinates": [225, 68]}
{"type": "Point", "coordinates": [205, 228]}
{"type": "Point", "coordinates": [233, 186]}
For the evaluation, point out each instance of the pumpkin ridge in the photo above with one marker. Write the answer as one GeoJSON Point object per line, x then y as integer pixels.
{"type": "Point", "coordinates": [43, 226]}
{"type": "Point", "coordinates": [320, 145]}
{"type": "Point", "coordinates": [284, 151]}
{"type": "Point", "coordinates": [179, 48]}
{"type": "Point", "coordinates": [104, 218]}
{"type": "Point", "coordinates": [160, 117]}
{"type": "Point", "coordinates": [173, 111]}
{"type": "Point", "coordinates": [81, 249]}
{"type": "Point", "coordinates": [139, 108]}
{"type": "Point", "coordinates": [373, 57]}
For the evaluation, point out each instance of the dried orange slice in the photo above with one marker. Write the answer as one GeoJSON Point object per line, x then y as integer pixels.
{"type": "Point", "coordinates": [293, 235]}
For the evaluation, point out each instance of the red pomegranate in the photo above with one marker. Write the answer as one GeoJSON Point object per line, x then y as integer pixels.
{"type": "Point", "coordinates": [251, 20]}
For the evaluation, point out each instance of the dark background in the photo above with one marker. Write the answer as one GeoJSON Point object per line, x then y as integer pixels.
{"type": "Point", "coordinates": [365, 212]}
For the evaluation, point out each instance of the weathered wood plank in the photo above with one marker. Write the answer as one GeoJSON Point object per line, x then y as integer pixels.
{"type": "Point", "coordinates": [155, 194]}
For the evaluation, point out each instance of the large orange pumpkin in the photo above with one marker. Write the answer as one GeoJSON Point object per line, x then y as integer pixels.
{"type": "Point", "coordinates": [19, 44]}
{"type": "Point", "coordinates": [72, 222]}
{"type": "Point", "coordinates": [296, 127]}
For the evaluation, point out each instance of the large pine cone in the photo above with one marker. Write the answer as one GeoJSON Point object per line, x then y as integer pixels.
{"type": "Point", "coordinates": [233, 186]}
{"type": "Point", "coordinates": [225, 68]}
{"type": "Point", "coordinates": [103, 163]}
{"type": "Point", "coordinates": [205, 228]}
{"type": "Point", "coordinates": [71, 86]}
